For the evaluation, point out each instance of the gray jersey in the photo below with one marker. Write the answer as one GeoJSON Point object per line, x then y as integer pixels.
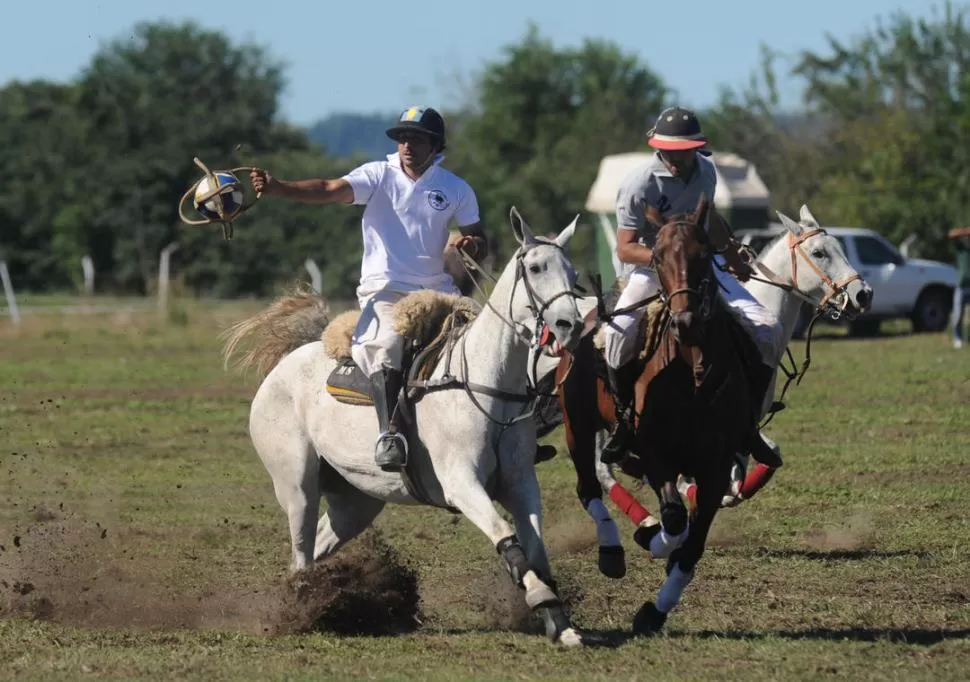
{"type": "Point", "coordinates": [653, 185]}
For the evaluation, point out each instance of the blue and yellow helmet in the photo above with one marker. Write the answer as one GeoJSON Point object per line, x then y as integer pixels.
{"type": "Point", "coordinates": [424, 120]}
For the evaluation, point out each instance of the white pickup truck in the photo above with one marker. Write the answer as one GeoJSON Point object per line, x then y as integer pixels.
{"type": "Point", "coordinates": [911, 288]}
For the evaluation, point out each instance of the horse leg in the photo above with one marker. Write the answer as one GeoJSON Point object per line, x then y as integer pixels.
{"type": "Point", "coordinates": [639, 515]}
{"type": "Point", "coordinates": [291, 461]}
{"type": "Point", "coordinates": [298, 493]}
{"type": "Point", "coordinates": [680, 567]}
{"type": "Point", "coordinates": [762, 473]}
{"type": "Point", "coordinates": [349, 513]}
{"type": "Point", "coordinates": [522, 500]}
{"type": "Point", "coordinates": [580, 422]}
{"type": "Point", "coordinates": [662, 538]}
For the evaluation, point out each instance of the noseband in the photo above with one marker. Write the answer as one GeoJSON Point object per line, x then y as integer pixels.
{"type": "Point", "coordinates": [837, 290]}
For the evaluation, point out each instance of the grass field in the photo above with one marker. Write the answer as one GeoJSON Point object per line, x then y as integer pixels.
{"type": "Point", "coordinates": [140, 538]}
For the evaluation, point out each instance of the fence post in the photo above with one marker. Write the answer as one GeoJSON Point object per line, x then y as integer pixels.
{"type": "Point", "coordinates": [87, 265]}
{"type": "Point", "coordinates": [163, 275]}
{"type": "Point", "coordinates": [8, 290]}
{"type": "Point", "coordinates": [316, 281]}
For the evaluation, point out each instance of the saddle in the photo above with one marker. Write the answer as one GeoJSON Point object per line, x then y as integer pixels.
{"type": "Point", "coordinates": [430, 323]}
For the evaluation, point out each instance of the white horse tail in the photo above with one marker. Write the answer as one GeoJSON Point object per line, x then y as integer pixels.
{"type": "Point", "coordinates": [288, 323]}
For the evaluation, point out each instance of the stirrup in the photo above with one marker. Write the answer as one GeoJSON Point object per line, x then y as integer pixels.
{"type": "Point", "coordinates": [391, 452]}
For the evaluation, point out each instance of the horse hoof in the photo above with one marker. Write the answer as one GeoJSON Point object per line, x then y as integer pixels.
{"type": "Point", "coordinates": [558, 627]}
{"type": "Point", "coordinates": [644, 534]}
{"type": "Point", "coordinates": [648, 621]}
{"type": "Point", "coordinates": [613, 561]}
{"type": "Point", "coordinates": [570, 637]}
{"type": "Point", "coordinates": [545, 452]}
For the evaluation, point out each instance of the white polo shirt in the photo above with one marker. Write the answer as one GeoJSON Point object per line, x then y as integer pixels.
{"type": "Point", "coordinates": [405, 223]}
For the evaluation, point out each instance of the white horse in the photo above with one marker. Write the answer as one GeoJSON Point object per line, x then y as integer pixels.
{"type": "Point", "coordinates": [473, 444]}
{"type": "Point", "coordinates": [806, 264]}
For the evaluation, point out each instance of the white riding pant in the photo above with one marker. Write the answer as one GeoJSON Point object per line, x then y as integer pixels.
{"type": "Point", "coordinates": [621, 332]}
{"type": "Point", "coordinates": [376, 343]}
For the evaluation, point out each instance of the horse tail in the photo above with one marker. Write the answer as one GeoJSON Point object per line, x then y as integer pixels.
{"type": "Point", "coordinates": [289, 322]}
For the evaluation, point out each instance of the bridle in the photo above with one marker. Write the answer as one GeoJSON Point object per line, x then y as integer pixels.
{"type": "Point", "coordinates": [532, 337]}
{"type": "Point", "coordinates": [703, 292]}
{"type": "Point", "coordinates": [835, 302]}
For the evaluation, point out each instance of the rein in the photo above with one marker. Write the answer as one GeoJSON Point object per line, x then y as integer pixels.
{"type": "Point", "coordinates": [825, 306]}
{"type": "Point", "coordinates": [795, 249]}
{"type": "Point", "coordinates": [537, 305]}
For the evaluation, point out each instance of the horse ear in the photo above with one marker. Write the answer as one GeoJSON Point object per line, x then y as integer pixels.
{"type": "Point", "coordinates": [563, 237]}
{"type": "Point", "coordinates": [790, 224]}
{"type": "Point", "coordinates": [700, 213]}
{"type": "Point", "coordinates": [521, 228]}
{"type": "Point", "coordinates": [806, 219]}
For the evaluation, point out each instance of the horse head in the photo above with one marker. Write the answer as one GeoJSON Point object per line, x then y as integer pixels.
{"type": "Point", "coordinates": [682, 257]}
{"type": "Point", "coordinates": [828, 279]}
{"type": "Point", "coordinates": [545, 281]}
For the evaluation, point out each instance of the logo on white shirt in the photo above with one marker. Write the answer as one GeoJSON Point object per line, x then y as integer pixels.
{"type": "Point", "coordinates": [437, 200]}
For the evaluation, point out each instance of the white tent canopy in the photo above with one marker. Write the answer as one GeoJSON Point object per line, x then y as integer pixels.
{"type": "Point", "coordinates": [738, 182]}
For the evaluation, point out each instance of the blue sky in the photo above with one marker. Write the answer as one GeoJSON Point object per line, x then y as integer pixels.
{"type": "Point", "coordinates": [383, 55]}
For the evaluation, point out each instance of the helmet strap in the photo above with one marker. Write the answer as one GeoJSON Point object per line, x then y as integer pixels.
{"type": "Point", "coordinates": [432, 155]}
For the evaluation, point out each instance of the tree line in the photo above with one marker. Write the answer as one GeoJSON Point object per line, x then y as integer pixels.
{"type": "Point", "coordinates": [95, 166]}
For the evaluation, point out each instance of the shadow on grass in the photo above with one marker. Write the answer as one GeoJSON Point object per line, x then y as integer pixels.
{"type": "Point", "coordinates": [614, 638]}
{"type": "Point", "coordinates": [919, 636]}
{"type": "Point", "coordinates": [838, 554]}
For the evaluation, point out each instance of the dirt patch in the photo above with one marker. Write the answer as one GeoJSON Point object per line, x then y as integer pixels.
{"type": "Point", "coordinates": [573, 538]}
{"type": "Point", "coordinates": [505, 607]}
{"type": "Point", "coordinates": [68, 571]}
{"type": "Point", "coordinates": [364, 589]}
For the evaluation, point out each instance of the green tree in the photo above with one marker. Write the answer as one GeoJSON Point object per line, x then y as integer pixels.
{"type": "Point", "coordinates": [899, 103]}
{"type": "Point", "coordinates": [42, 138]}
{"type": "Point", "coordinates": [543, 119]}
{"type": "Point", "coordinates": [790, 155]}
{"type": "Point", "coordinates": [154, 100]}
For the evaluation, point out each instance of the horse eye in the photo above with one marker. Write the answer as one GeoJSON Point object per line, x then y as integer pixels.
{"type": "Point", "coordinates": [818, 253]}
{"type": "Point", "coordinates": [535, 269]}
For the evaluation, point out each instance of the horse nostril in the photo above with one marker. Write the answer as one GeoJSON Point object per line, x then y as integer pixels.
{"type": "Point", "coordinates": [565, 325]}
{"type": "Point", "coordinates": [863, 298]}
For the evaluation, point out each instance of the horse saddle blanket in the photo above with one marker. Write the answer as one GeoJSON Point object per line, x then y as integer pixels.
{"type": "Point", "coordinates": [347, 384]}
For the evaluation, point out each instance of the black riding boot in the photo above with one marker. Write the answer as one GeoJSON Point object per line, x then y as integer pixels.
{"type": "Point", "coordinates": [760, 377]}
{"type": "Point", "coordinates": [621, 435]}
{"type": "Point", "coordinates": [392, 448]}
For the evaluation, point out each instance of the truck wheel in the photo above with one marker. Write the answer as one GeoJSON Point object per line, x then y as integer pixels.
{"type": "Point", "coordinates": [932, 310]}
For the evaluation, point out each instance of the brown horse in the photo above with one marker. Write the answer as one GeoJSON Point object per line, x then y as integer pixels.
{"type": "Point", "coordinates": [694, 408]}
